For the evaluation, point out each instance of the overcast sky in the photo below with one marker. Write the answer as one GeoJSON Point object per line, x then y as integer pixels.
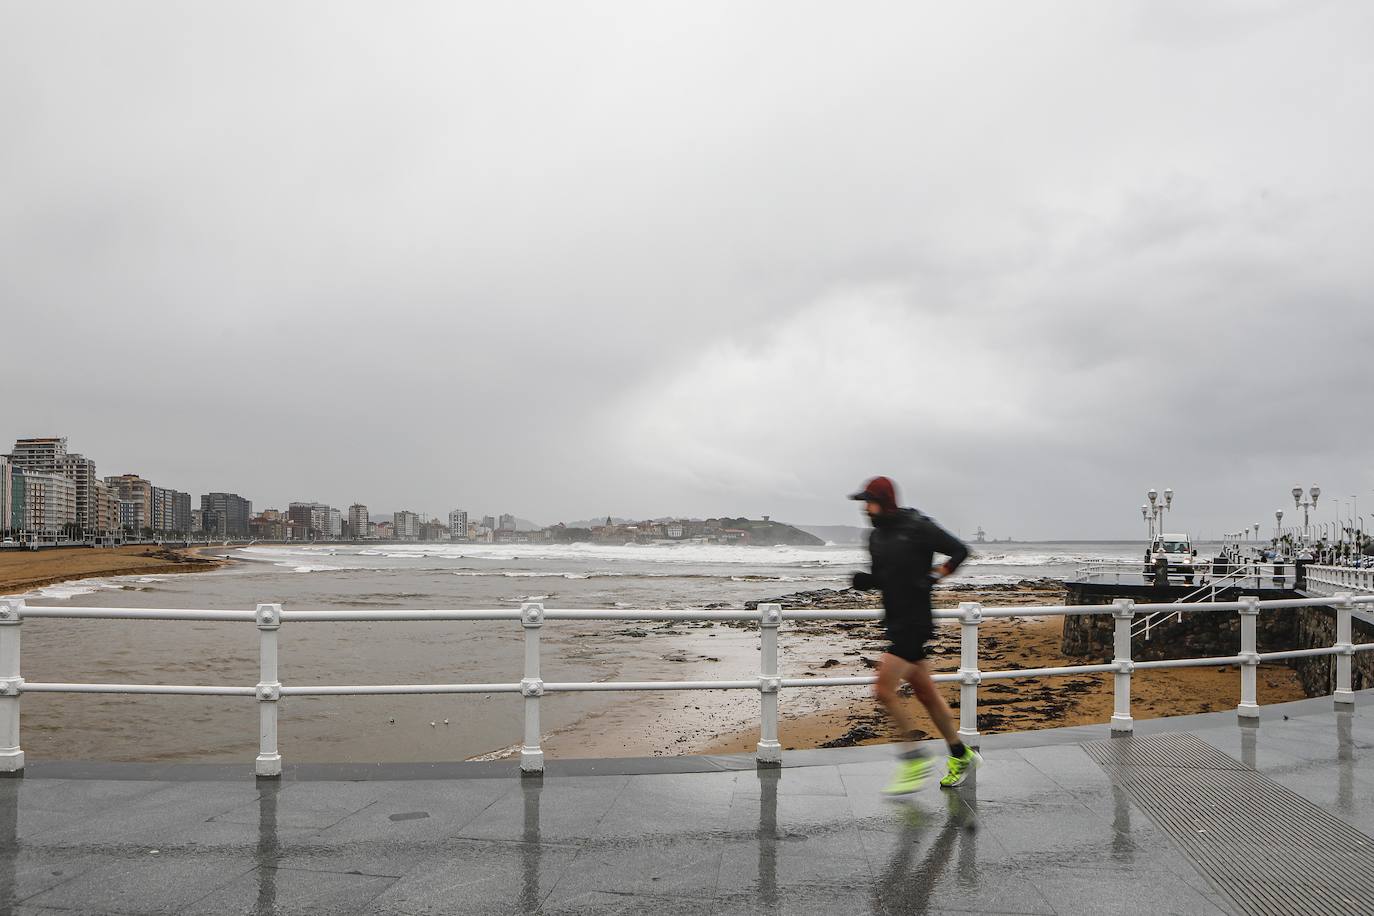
{"type": "Point", "coordinates": [565, 260]}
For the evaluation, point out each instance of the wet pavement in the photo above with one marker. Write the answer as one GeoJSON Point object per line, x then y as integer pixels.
{"type": "Point", "coordinates": [1044, 829]}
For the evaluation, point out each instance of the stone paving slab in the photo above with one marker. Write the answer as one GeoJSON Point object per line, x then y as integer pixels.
{"type": "Point", "coordinates": [1041, 830]}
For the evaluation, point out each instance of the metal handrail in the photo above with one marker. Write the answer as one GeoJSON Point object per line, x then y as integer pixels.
{"type": "Point", "coordinates": [1209, 588]}
{"type": "Point", "coordinates": [268, 619]}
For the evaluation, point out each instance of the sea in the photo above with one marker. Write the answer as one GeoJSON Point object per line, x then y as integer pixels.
{"type": "Point", "coordinates": [424, 728]}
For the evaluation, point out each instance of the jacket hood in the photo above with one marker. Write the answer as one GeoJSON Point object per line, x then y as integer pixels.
{"type": "Point", "coordinates": [880, 490]}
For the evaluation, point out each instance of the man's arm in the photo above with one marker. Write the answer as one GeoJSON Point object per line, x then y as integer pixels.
{"type": "Point", "coordinates": [949, 545]}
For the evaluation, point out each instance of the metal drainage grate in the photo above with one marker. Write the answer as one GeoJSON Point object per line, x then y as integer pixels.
{"type": "Point", "coordinates": [1270, 850]}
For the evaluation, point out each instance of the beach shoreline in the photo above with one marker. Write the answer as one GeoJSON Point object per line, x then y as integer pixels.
{"type": "Point", "coordinates": [23, 571]}
{"type": "Point", "coordinates": [726, 722]}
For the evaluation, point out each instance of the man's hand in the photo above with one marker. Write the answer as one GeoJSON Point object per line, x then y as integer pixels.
{"type": "Point", "coordinates": [944, 571]}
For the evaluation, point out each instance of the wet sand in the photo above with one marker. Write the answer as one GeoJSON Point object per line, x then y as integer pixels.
{"type": "Point", "coordinates": [726, 723]}
{"type": "Point", "coordinates": [104, 727]}
{"type": "Point", "coordinates": [24, 570]}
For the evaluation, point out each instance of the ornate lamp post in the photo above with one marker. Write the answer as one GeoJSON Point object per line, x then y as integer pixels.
{"type": "Point", "coordinates": [1305, 506]}
{"type": "Point", "coordinates": [1278, 524]}
{"type": "Point", "coordinates": [1154, 511]}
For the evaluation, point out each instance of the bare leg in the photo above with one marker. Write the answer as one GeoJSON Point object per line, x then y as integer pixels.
{"type": "Point", "coordinates": [918, 676]}
{"type": "Point", "coordinates": [891, 671]}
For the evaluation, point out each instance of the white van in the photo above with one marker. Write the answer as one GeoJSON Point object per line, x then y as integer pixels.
{"type": "Point", "coordinates": [1177, 553]}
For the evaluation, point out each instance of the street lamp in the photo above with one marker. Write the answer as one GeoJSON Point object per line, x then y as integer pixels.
{"type": "Point", "coordinates": [1154, 511]}
{"type": "Point", "coordinates": [1305, 506]}
{"type": "Point", "coordinates": [1278, 523]}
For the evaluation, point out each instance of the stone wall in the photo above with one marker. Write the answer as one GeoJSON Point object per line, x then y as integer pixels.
{"type": "Point", "coordinates": [1198, 634]}
{"type": "Point", "coordinates": [1218, 633]}
{"type": "Point", "coordinates": [1317, 627]}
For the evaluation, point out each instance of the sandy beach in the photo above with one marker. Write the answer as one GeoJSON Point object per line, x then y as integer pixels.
{"type": "Point", "coordinates": [578, 725]}
{"type": "Point", "coordinates": [727, 721]}
{"type": "Point", "coordinates": [24, 570]}
{"type": "Point", "coordinates": [1007, 706]}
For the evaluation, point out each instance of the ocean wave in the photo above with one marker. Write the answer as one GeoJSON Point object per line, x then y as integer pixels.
{"type": "Point", "coordinates": [700, 554]}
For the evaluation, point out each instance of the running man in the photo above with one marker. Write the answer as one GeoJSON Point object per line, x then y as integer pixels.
{"type": "Point", "coordinates": [903, 547]}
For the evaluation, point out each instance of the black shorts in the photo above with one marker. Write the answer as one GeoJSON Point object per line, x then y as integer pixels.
{"type": "Point", "coordinates": [909, 645]}
{"type": "Point", "coordinates": [909, 632]}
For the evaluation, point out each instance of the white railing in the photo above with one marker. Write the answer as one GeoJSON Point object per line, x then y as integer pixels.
{"type": "Point", "coordinates": [532, 617]}
{"type": "Point", "coordinates": [1278, 575]}
{"type": "Point", "coordinates": [1208, 591]}
{"type": "Point", "coordinates": [1331, 580]}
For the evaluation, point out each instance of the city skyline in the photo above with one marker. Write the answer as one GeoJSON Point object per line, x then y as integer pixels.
{"type": "Point", "coordinates": [166, 503]}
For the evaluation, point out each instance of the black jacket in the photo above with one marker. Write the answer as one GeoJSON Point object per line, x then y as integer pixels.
{"type": "Point", "coordinates": [903, 547]}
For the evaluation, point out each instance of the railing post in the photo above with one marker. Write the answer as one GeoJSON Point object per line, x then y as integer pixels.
{"type": "Point", "coordinates": [532, 688]}
{"type": "Point", "coordinates": [269, 690]}
{"type": "Point", "coordinates": [1249, 665]}
{"type": "Point", "coordinates": [1344, 697]}
{"type": "Point", "coordinates": [769, 752]}
{"type": "Point", "coordinates": [1123, 616]}
{"type": "Point", "coordinates": [11, 686]}
{"type": "Point", "coordinates": [970, 615]}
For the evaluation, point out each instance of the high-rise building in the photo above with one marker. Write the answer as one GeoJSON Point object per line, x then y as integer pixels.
{"type": "Point", "coordinates": [7, 520]}
{"type": "Point", "coordinates": [49, 455]}
{"type": "Point", "coordinates": [81, 471]}
{"type": "Point", "coordinates": [489, 522]}
{"type": "Point", "coordinates": [311, 517]}
{"type": "Point", "coordinates": [44, 456]}
{"type": "Point", "coordinates": [49, 502]}
{"type": "Point", "coordinates": [299, 514]}
{"type": "Point", "coordinates": [357, 521]}
{"type": "Point", "coordinates": [181, 513]}
{"type": "Point", "coordinates": [170, 511]}
{"type": "Point", "coordinates": [458, 525]}
{"type": "Point", "coordinates": [405, 526]}
{"type": "Point", "coordinates": [335, 523]}
{"type": "Point", "coordinates": [133, 489]}
{"type": "Point", "coordinates": [107, 511]}
{"type": "Point", "coordinates": [225, 514]}
{"type": "Point", "coordinates": [507, 523]}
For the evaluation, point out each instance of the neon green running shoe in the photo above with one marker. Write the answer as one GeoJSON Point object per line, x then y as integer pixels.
{"type": "Point", "coordinates": [911, 776]}
{"type": "Point", "coordinates": [960, 768]}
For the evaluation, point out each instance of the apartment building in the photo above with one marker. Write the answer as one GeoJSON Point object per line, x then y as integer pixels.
{"type": "Point", "coordinates": [132, 489]}
{"type": "Point", "coordinates": [107, 510]}
{"type": "Point", "coordinates": [225, 514]}
{"type": "Point", "coordinates": [7, 516]}
{"type": "Point", "coordinates": [458, 525]}
{"type": "Point", "coordinates": [49, 455]}
{"type": "Point", "coordinates": [405, 526]}
{"type": "Point", "coordinates": [314, 518]}
{"type": "Point", "coordinates": [507, 523]}
{"type": "Point", "coordinates": [357, 520]}
{"type": "Point", "coordinates": [170, 510]}
{"type": "Point", "coordinates": [49, 502]}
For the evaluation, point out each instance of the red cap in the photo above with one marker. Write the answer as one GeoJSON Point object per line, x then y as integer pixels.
{"type": "Point", "coordinates": [880, 490]}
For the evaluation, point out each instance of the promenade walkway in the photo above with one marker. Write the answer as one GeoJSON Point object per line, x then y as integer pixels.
{"type": "Point", "coordinates": [1194, 815]}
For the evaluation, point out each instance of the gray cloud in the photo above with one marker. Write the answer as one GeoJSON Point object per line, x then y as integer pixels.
{"type": "Point", "coordinates": [564, 260]}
